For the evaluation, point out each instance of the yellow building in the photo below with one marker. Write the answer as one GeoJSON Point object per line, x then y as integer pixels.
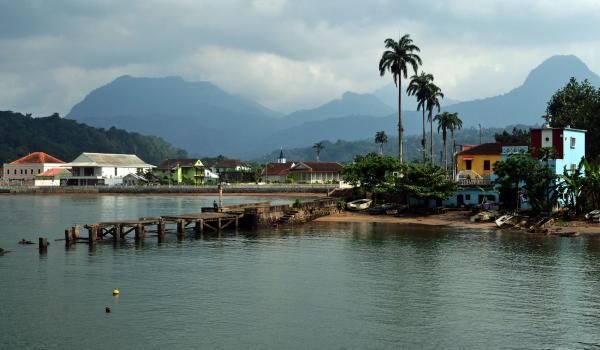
{"type": "Point", "coordinates": [478, 161]}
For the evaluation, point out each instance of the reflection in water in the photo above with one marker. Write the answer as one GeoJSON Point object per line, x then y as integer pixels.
{"type": "Point", "coordinates": [321, 285]}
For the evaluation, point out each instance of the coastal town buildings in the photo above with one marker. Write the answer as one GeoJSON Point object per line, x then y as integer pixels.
{"type": "Point", "coordinates": [316, 172]}
{"type": "Point", "coordinates": [189, 171]}
{"type": "Point", "coordinates": [26, 168]}
{"type": "Point", "coordinates": [52, 177]}
{"type": "Point", "coordinates": [567, 147]}
{"type": "Point", "coordinates": [92, 169]}
{"type": "Point", "coordinates": [233, 170]}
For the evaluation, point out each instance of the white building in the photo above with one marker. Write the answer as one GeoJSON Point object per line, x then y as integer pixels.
{"type": "Point", "coordinates": [52, 177]}
{"type": "Point", "coordinates": [27, 167]}
{"type": "Point", "coordinates": [91, 169]}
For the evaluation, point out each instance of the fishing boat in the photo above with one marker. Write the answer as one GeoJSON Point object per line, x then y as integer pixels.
{"type": "Point", "coordinates": [504, 220]}
{"type": "Point", "coordinates": [360, 204]}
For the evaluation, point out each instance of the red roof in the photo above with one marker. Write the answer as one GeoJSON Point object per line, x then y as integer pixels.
{"type": "Point", "coordinates": [54, 172]}
{"type": "Point", "coordinates": [484, 148]}
{"type": "Point", "coordinates": [276, 169]}
{"type": "Point", "coordinates": [37, 158]}
{"type": "Point", "coordinates": [229, 163]}
{"type": "Point", "coordinates": [319, 166]}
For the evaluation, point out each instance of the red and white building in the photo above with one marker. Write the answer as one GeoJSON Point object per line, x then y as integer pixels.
{"type": "Point", "coordinates": [27, 167]}
{"type": "Point", "coordinates": [317, 172]}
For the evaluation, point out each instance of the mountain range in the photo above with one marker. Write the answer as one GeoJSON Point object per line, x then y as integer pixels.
{"type": "Point", "coordinates": [205, 120]}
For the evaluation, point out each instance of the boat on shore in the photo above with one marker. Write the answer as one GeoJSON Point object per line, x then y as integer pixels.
{"type": "Point", "coordinates": [359, 204]}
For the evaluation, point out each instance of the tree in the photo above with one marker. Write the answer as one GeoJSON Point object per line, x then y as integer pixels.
{"type": "Point", "coordinates": [520, 137]}
{"type": "Point", "coordinates": [372, 172]}
{"type": "Point", "coordinates": [418, 87]}
{"type": "Point", "coordinates": [578, 105]}
{"type": "Point", "coordinates": [396, 59]}
{"type": "Point", "coordinates": [426, 181]}
{"type": "Point", "coordinates": [520, 173]}
{"type": "Point", "coordinates": [444, 121]}
{"type": "Point", "coordinates": [434, 95]}
{"type": "Point", "coordinates": [454, 123]}
{"type": "Point", "coordinates": [381, 139]}
{"type": "Point", "coordinates": [318, 147]}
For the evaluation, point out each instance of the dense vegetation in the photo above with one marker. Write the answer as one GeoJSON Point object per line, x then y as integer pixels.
{"type": "Point", "coordinates": [578, 105]}
{"type": "Point", "coordinates": [66, 139]}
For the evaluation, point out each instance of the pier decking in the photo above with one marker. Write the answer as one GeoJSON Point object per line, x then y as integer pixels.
{"type": "Point", "coordinates": [118, 230]}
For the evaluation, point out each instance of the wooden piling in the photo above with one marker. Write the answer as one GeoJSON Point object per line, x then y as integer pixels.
{"type": "Point", "coordinates": [92, 234]}
{"type": "Point", "coordinates": [118, 233]}
{"type": "Point", "coordinates": [219, 227]}
{"type": "Point", "coordinates": [139, 232]}
{"type": "Point", "coordinates": [199, 228]}
{"type": "Point", "coordinates": [180, 226]}
{"type": "Point", "coordinates": [43, 244]}
{"type": "Point", "coordinates": [67, 237]}
{"type": "Point", "coordinates": [160, 227]}
{"type": "Point", "coordinates": [75, 230]}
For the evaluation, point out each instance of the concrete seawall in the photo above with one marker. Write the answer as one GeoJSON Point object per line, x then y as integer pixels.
{"type": "Point", "coordinates": [174, 189]}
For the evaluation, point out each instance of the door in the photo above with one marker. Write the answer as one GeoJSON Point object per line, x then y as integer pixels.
{"type": "Point", "coordinates": [460, 200]}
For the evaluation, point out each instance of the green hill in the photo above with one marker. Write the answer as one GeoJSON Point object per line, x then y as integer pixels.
{"type": "Point", "coordinates": [66, 139]}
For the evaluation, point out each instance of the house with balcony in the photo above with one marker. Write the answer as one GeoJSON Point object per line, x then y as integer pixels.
{"type": "Point", "coordinates": [104, 169]}
{"type": "Point", "coordinates": [188, 171]}
{"type": "Point", "coordinates": [474, 168]}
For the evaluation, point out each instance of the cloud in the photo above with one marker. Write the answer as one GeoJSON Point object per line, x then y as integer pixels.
{"type": "Point", "coordinates": [284, 54]}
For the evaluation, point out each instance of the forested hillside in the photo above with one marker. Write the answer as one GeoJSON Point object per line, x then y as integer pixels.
{"type": "Point", "coordinates": [66, 139]}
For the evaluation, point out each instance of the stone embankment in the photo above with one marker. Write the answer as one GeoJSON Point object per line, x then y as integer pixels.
{"type": "Point", "coordinates": [298, 188]}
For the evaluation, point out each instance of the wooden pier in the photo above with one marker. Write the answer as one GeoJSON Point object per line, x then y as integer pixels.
{"type": "Point", "coordinates": [118, 230]}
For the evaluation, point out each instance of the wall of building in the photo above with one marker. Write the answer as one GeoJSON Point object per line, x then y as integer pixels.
{"type": "Point", "coordinates": [477, 163]}
{"type": "Point", "coordinates": [27, 171]}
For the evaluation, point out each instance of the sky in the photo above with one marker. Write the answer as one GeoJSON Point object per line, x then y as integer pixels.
{"type": "Point", "coordinates": [284, 54]}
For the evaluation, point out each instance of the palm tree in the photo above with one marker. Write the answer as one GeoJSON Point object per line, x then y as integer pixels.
{"type": "Point", "coordinates": [396, 59]}
{"type": "Point", "coordinates": [443, 119]}
{"type": "Point", "coordinates": [318, 147]}
{"type": "Point", "coordinates": [433, 100]}
{"type": "Point", "coordinates": [418, 87]}
{"type": "Point", "coordinates": [454, 123]}
{"type": "Point", "coordinates": [381, 138]}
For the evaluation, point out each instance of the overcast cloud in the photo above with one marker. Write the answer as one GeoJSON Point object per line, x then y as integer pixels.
{"type": "Point", "coordinates": [285, 54]}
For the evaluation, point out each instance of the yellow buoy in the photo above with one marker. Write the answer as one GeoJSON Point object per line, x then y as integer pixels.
{"type": "Point", "coordinates": [115, 292]}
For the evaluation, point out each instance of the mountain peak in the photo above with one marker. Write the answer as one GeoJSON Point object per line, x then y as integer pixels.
{"type": "Point", "coordinates": [558, 68]}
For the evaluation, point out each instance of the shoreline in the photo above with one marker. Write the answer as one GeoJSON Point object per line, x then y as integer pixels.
{"type": "Point", "coordinates": [460, 219]}
{"type": "Point", "coordinates": [176, 194]}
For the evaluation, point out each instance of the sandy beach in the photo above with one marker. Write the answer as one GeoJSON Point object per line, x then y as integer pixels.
{"type": "Point", "coordinates": [456, 219]}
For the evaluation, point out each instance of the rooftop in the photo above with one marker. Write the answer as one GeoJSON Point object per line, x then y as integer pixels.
{"type": "Point", "coordinates": [37, 158]}
{"type": "Point", "coordinates": [277, 169]}
{"type": "Point", "coordinates": [183, 162]}
{"type": "Point", "coordinates": [229, 163]}
{"type": "Point", "coordinates": [108, 159]}
{"type": "Point", "coordinates": [318, 166]}
{"type": "Point", "coordinates": [484, 148]}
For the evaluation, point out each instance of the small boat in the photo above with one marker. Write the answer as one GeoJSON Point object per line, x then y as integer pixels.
{"type": "Point", "coordinates": [504, 220]}
{"type": "Point", "coordinates": [360, 204]}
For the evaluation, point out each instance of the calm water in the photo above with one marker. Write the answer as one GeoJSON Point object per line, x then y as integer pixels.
{"type": "Point", "coordinates": [322, 286]}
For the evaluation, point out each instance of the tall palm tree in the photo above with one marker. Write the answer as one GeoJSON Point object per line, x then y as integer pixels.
{"type": "Point", "coordinates": [443, 119]}
{"type": "Point", "coordinates": [396, 59]}
{"type": "Point", "coordinates": [381, 138]}
{"type": "Point", "coordinates": [454, 123]}
{"type": "Point", "coordinates": [318, 147]}
{"type": "Point", "coordinates": [433, 101]}
{"type": "Point", "coordinates": [418, 87]}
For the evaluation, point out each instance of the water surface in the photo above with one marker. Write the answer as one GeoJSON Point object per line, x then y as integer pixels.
{"type": "Point", "coordinates": [319, 286]}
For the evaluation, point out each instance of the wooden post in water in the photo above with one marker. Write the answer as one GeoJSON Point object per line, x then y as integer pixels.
{"type": "Point", "coordinates": [118, 232]}
{"type": "Point", "coordinates": [160, 227]}
{"type": "Point", "coordinates": [92, 234]}
{"type": "Point", "coordinates": [180, 228]}
{"type": "Point", "coordinates": [43, 245]}
{"type": "Point", "coordinates": [199, 228]}
{"type": "Point", "coordinates": [75, 233]}
{"type": "Point", "coordinates": [139, 232]}
{"type": "Point", "coordinates": [67, 237]}
{"type": "Point", "coordinates": [219, 225]}
{"type": "Point", "coordinates": [236, 223]}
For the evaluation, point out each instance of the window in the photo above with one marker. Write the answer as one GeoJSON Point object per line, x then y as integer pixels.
{"type": "Point", "coordinates": [15, 171]}
{"type": "Point", "coordinates": [486, 165]}
{"type": "Point", "coordinates": [467, 197]}
{"type": "Point", "coordinates": [31, 171]}
{"type": "Point", "coordinates": [468, 164]}
{"type": "Point", "coordinates": [573, 142]}
{"type": "Point", "coordinates": [115, 171]}
{"type": "Point", "coordinates": [39, 171]}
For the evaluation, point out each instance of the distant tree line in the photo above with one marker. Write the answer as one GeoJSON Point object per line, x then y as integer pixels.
{"type": "Point", "coordinates": [63, 138]}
